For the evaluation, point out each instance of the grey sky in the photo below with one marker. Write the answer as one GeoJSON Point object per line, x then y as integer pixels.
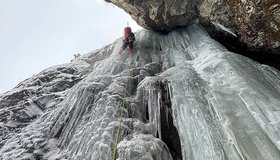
{"type": "Point", "coordinates": [36, 34]}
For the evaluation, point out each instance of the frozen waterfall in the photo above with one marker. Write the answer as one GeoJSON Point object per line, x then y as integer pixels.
{"type": "Point", "coordinates": [224, 106]}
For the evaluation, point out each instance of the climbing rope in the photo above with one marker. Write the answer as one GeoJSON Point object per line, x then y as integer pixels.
{"type": "Point", "coordinates": [120, 118]}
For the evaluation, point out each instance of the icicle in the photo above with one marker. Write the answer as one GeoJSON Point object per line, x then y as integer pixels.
{"type": "Point", "coordinates": [158, 106]}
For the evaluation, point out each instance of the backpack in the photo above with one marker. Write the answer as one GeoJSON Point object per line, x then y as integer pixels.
{"type": "Point", "coordinates": [131, 37]}
{"type": "Point", "coordinates": [128, 35]}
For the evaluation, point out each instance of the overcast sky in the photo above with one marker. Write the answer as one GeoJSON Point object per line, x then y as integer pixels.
{"type": "Point", "coordinates": [37, 34]}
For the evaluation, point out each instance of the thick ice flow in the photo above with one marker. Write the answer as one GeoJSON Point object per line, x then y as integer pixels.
{"type": "Point", "coordinates": [224, 106]}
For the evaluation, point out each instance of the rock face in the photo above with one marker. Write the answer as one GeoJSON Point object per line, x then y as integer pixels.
{"type": "Point", "coordinates": [160, 15]}
{"type": "Point", "coordinates": [256, 25]}
{"type": "Point", "coordinates": [253, 25]}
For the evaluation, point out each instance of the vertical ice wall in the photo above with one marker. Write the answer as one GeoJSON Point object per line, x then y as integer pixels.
{"type": "Point", "coordinates": [224, 105]}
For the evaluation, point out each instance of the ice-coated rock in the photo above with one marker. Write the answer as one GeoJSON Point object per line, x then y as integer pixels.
{"type": "Point", "coordinates": [224, 106]}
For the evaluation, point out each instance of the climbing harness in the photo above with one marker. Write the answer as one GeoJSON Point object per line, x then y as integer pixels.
{"type": "Point", "coordinates": [120, 118]}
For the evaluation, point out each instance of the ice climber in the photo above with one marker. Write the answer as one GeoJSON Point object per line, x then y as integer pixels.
{"type": "Point", "coordinates": [128, 40]}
